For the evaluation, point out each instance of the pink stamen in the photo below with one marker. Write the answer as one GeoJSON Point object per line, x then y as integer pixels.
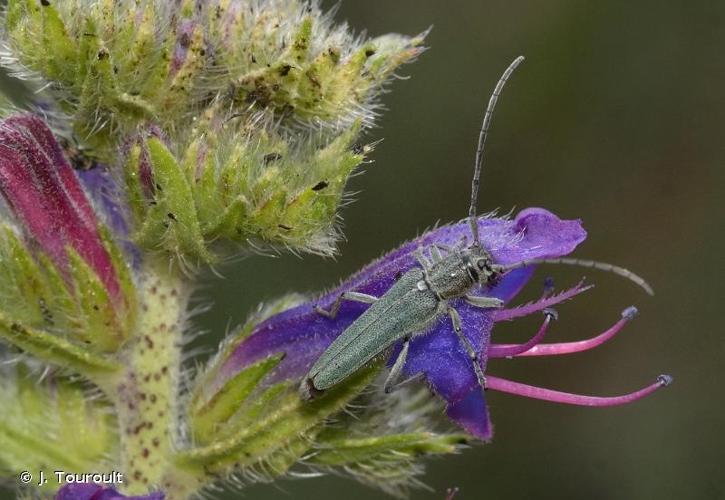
{"type": "Point", "coordinates": [530, 391]}
{"type": "Point", "coordinates": [539, 305]}
{"type": "Point", "coordinates": [556, 349]}
{"type": "Point", "coordinates": [496, 351]}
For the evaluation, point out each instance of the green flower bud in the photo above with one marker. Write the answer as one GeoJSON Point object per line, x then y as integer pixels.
{"type": "Point", "coordinates": [114, 64]}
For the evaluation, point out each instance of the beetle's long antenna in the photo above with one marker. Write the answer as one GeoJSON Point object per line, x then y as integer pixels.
{"type": "Point", "coordinates": [482, 142]}
{"type": "Point", "coordinates": [602, 266]}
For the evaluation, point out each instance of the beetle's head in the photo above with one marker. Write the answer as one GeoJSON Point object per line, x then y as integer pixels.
{"type": "Point", "coordinates": [479, 265]}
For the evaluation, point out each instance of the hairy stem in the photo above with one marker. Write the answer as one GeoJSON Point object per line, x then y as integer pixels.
{"type": "Point", "coordinates": [145, 393]}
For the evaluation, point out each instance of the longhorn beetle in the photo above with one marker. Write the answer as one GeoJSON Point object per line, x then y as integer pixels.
{"type": "Point", "coordinates": [423, 293]}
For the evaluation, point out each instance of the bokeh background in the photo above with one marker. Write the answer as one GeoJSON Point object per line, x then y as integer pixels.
{"type": "Point", "coordinates": [616, 118]}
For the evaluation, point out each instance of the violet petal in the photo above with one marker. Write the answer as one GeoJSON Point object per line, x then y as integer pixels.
{"type": "Point", "coordinates": [92, 491]}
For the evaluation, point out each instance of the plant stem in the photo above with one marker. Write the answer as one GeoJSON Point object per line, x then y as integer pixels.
{"type": "Point", "coordinates": [146, 392]}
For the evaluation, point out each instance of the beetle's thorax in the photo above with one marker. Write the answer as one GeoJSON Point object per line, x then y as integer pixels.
{"type": "Point", "coordinates": [455, 274]}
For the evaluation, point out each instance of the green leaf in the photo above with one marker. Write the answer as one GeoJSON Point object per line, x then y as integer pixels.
{"type": "Point", "coordinates": [342, 451]}
{"type": "Point", "coordinates": [172, 223]}
{"type": "Point", "coordinates": [207, 417]}
{"type": "Point", "coordinates": [56, 350]}
{"type": "Point", "coordinates": [52, 425]}
{"type": "Point", "coordinates": [283, 421]}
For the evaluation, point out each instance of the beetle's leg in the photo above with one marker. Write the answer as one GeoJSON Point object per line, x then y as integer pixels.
{"type": "Point", "coordinates": [397, 369]}
{"type": "Point", "coordinates": [353, 296]}
{"type": "Point", "coordinates": [435, 254]}
{"type": "Point", "coordinates": [414, 378]}
{"type": "Point", "coordinates": [422, 260]}
{"type": "Point", "coordinates": [424, 264]}
{"type": "Point", "coordinates": [456, 320]}
{"type": "Point", "coordinates": [446, 248]}
{"type": "Point", "coordinates": [485, 302]}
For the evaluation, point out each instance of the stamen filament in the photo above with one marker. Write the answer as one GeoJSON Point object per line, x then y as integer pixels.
{"type": "Point", "coordinates": [530, 391]}
{"type": "Point", "coordinates": [539, 305]}
{"type": "Point", "coordinates": [496, 351]}
{"type": "Point", "coordinates": [559, 348]}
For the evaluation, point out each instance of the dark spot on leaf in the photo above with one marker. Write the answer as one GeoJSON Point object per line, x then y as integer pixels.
{"type": "Point", "coordinates": [369, 52]}
{"type": "Point", "coordinates": [320, 186]}
{"type": "Point", "coordinates": [334, 55]}
{"type": "Point", "coordinates": [286, 228]}
{"type": "Point", "coordinates": [284, 70]}
{"type": "Point", "coordinates": [45, 3]}
{"type": "Point", "coordinates": [171, 216]}
{"type": "Point", "coordinates": [102, 54]}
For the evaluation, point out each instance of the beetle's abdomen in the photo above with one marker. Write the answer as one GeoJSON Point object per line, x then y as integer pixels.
{"type": "Point", "coordinates": [402, 311]}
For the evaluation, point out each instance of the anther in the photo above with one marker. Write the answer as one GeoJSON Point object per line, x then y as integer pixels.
{"type": "Point", "coordinates": [551, 313]}
{"type": "Point", "coordinates": [630, 313]}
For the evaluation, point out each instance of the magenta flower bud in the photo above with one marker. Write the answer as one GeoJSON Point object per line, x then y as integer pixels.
{"type": "Point", "coordinates": [97, 492]}
{"type": "Point", "coordinates": [47, 199]}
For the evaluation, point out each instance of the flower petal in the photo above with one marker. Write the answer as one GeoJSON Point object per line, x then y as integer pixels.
{"type": "Point", "coordinates": [471, 413]}
{"type": "Point", "coordinates": [46, 196]}
{"type": "Point", "coordinates": [92, 491]}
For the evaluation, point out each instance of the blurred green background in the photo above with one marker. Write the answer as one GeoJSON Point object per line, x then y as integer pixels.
{"type": "Point", "coordinates": [616, 118]}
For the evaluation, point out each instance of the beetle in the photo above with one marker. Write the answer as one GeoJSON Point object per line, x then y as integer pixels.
{"type": "Point", "coordinates": [423, 294]}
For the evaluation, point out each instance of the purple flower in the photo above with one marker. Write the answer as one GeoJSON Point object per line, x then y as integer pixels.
{"type": "Point", "coordinates": [303, 334]}
{"type": "Point", "coordinates": [44, 194]}
{"type": "Point", "coordinates": [98, 492]}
